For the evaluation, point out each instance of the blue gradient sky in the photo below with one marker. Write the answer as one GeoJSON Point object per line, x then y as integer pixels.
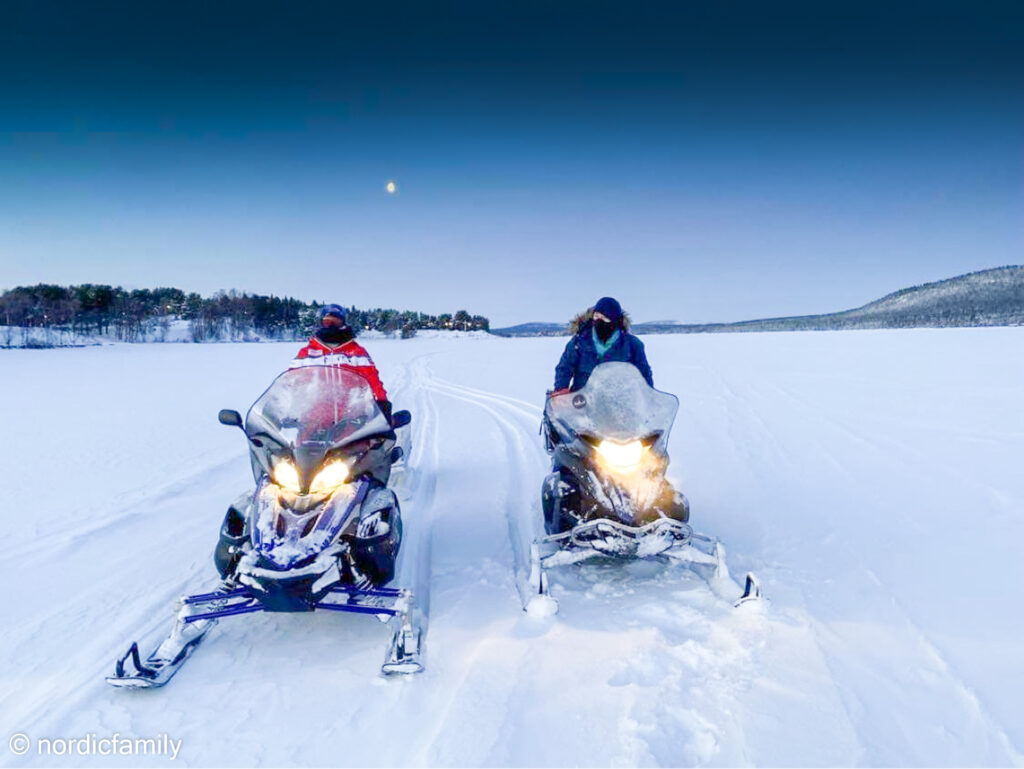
{"type": "Point", "coordinates": [701, 161]}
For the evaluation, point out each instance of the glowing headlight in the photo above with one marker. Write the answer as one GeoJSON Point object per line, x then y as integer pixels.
{"type": "Point", "coordinates": [331, 475]}
{"type": "Point", "coordinates": [621, 456]}
{"type": "Point", "coordinates": [286, 476]}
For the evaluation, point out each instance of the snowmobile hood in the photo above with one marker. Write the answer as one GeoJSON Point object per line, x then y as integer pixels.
{"type": "Point", "coordinates": [284, 537]}
{"type": "Point", "coordinates": [617, 404]}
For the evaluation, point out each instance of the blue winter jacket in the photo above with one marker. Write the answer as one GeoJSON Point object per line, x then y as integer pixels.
{"type": "Point", "coordinates": [581, 357]}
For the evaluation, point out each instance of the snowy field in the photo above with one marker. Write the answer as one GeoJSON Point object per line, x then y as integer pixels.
{"type": "Point", "coordinates": [871, 479]}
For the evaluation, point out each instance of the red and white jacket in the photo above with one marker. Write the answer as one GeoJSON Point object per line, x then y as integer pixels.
{"type": "Point", "coordinates": [350, 355]}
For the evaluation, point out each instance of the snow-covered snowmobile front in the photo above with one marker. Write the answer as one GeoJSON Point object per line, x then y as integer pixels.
{"type": "Point", "coordinates": [321, 530]}
{"type": "Point", "coordinates": [608, 495]}
{"type": "Point", "coordinates": [609, 441]}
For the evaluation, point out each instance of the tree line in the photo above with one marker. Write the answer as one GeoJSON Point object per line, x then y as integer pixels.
{"type": "Point", "coordinates": [49, 315]}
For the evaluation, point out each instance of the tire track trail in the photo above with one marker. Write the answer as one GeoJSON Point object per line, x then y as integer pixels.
{"type": "Point", "coordinates": [422, 462]}
{"type": "Point", "coordinates": [522, 504]}
{"type": "Point", "coordinates": [487, 657]}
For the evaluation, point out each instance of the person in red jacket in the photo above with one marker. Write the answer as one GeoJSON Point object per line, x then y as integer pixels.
{"type": "Point", "coordinates": [334, 344]}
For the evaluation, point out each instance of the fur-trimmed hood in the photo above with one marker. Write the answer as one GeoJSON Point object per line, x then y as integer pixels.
{"type": "Point", "coordinates": [585, 318]}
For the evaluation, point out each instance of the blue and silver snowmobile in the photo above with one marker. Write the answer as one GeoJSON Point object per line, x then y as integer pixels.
{"type": "Point", "coordinates": [321, 530]}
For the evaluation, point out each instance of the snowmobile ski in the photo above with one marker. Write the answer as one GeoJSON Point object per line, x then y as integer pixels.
{"type": "Point", "coordinates": [405, 652]}
{"type": "Point", "coordinates": [160, 666]}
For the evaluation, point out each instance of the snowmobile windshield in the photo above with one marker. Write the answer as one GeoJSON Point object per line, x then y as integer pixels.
{"type": "Point", "coordinates": [316, 407]}
{"type": "Point", "coordinates": [618, 404]}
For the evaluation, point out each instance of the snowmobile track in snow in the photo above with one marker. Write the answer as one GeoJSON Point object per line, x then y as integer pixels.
{"type": "Point", "coordinates": [523, 500]}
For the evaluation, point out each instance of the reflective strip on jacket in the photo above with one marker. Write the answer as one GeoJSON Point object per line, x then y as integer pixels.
{"type": "Point", "coordinates": [350, 355]}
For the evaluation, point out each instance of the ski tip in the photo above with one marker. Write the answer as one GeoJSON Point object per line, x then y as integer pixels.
{"type": "Point", "coordinates": [751, 590]}
{"type": "Point", "coordinates": [133, 682]}
{"type": "Point", "coordinates": [132, 654]}
{"type": "Point", "coordinates": [541, 607]}
{"type": "Point", "coordinates": [405, 667]}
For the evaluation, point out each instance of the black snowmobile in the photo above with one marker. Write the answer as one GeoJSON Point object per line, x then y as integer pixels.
{"type": "Point", "coordinates": [321, 530]}
{"type": "Point", "coordinates": [608, 495]}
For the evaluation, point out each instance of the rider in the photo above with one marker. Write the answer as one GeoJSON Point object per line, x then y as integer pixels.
{"type": "Point", "coordinates": [600, 334]}
{"type": "Point", "coordinates": [334, 344]}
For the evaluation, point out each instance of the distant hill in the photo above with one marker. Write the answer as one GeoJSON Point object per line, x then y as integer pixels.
{"type": "Point", "coordinates": [534, 329]}
{"type": "Point", "coordinates": [987, 298]}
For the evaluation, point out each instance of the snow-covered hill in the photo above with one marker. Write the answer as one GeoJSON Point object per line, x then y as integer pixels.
{"type": "Point", "coordinates": [986, 298]}
{"type": "Point", "coordinates": [998, 293]}
{"type": "Point", "coordinates": [871, 479]}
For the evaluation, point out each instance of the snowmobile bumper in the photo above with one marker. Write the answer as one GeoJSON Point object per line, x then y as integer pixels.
{"type": "Point", "coordinates": [609, 538]}
{"type": "Point", "coordinates": [199, 613]}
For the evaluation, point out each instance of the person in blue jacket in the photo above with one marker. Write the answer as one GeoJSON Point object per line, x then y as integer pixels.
{"type": "Point", "coordinates": [600, 335]}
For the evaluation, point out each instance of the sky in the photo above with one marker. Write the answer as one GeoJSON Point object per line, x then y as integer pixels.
{"type": "Point", "coordinates": [700, 161]}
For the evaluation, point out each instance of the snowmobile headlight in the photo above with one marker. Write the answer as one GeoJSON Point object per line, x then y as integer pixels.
{"type": "Point", "coordinates": [286, 476]}
{"type": "Point", "coordinates": [330, 477]}
{"type": "Point", "coordinates": [621, 456]}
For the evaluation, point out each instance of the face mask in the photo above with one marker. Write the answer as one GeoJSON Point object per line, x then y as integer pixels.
{"type": "Point", "coordinates": [604, 329]}
{"type": "Point", "coordinates": [334, 334]}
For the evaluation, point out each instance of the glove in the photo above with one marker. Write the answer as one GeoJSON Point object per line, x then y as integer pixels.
{"type": "Point", "coordinates": [372, 525]}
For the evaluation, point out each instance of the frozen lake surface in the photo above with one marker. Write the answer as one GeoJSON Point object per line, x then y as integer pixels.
{"type": "Point", "coordinates": [871, 479]}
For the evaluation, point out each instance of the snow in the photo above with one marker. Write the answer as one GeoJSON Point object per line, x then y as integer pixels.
{"type": "Point", "coordinates": [165, 329]}
{"type": "Point", "coordinates": [871, 479]}
{"type": "Point", "coordinates": [169, 329]}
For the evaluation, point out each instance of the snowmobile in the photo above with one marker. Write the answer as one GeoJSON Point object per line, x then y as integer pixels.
{"type": "Point", "coordinates": [320, 531]}
{"type": "Point", "coordinates": [608, 495]}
